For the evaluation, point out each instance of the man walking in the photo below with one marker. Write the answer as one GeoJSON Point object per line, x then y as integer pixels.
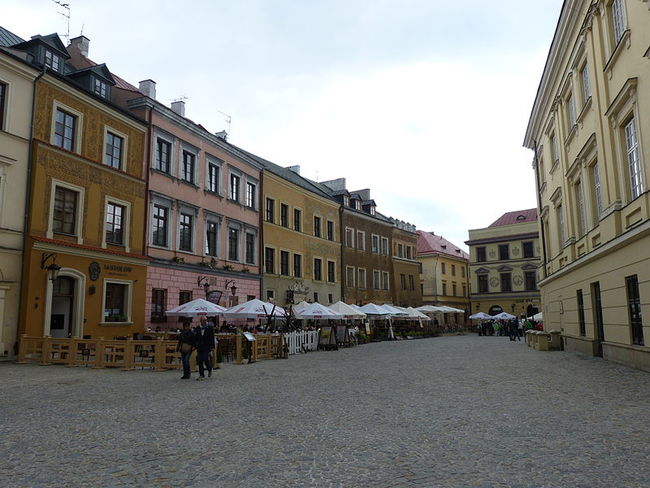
{"type": "Point", "coordinates": [185, 346]}
{"type": "Point", "coordinates": [204, 340]}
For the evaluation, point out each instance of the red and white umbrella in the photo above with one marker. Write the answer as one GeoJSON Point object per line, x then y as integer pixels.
{"type": "Point", "coordinates": [316, 311]}
{"type": "Point", "coordinates": [254, 309]}
{"type": "Point", "coordinates": [195, 308]}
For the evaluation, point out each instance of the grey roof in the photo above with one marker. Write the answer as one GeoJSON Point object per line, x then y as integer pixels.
{"type": "Point", "coordinates": [8, 38]}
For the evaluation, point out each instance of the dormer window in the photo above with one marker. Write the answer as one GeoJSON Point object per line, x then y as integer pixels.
{"type": "Point", "coordinates": [52, 61]}
{"type": "Point", "coordinates": [521, 217]}
{"type": "Point", "coordinates": [346, 201]}
{"type": "Point", "coordinates": [356, 204]}
{"type": "Point", "coordinates": [100, 88]}
{"type": "Point", "coordinates": [372, 210]}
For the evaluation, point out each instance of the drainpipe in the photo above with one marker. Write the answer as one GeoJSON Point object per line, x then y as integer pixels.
{"type": "Point", "coordinates": [260, 239]}
{"type": "Point", "coordinates": [342, 239]}
{"type": "Point", "coordinates": [28, 209]}
{"type": "Point", "coordinates": [539, 205]}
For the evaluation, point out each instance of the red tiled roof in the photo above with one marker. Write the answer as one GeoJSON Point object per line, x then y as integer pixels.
{"type": "Point", "coordinates": [516, 217]}
{"type": "Point", "coordinates": [429, 243]}
{"type": "Point", "coordinates": [80, 61]}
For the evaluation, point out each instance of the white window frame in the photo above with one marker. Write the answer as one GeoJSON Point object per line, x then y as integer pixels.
{"type": "Point", "coordinates": [633, 157]}
{"type": "Point", "coordinates": [350, 272]}
{"type": "Point", "coordinates": [252, 204]}
{"type": "Point", "coordinates": [586, 83]}
{"type": "Point", "coordinates": [580, 204]}
{"type": "Point", "coordinates": [56, 105]}
{"type": "Point", "coordinates": [362, 283]}
{"type": "Point", "coordinates": [375, 249]}
{"type": "Point", "coordinates": [236, 226]}
{"type": "Point", "coordinates": [385, 249]}
{"type": "Point", "coordinates": [193, 213]}
{"type": "Point", "coordinates": [210, 161]}
{"type": "Point", "coordinates": [186, 148]}
{"type": "Point", "coordinates": [125, 147]}
{"type": "Point", "coordinates": [248, 232]}
{"type": "Point", "coordinates": [126, 226]}
{"type": "Point", "coordinates": [322, 272]}
{"type": "Point", "coordinates": [349, 237]}
{"type": "Point", "coordinates": [618, 20]}
{"type": "Point", "coordinates": [161, 202]}
{"type": "Point", "coordinates": [81, 191]}
{"type": "Point", "coordinates": [361, 235]}
{"type": "Point", "coordinates": [327, 271]}
{"type": "Point", "coordinates": [129, 301]}
{"type": "Point", "coordinates": [172, 148]}
{"type": "Point", "coordinates": [214, 219]}
{"type": "Point", "coordinates": [598, 196]}
{"type": "Point", "coordinates": [376, 279]}
{"type": "Point", "coordinates": [232, 172]}
{"type": "Point", "coordinates": [385, 280]}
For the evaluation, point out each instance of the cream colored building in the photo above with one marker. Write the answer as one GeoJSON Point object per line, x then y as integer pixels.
{"type": "Point", "coordinates": [16, 96]}
{"type": "Point", "coordinates": [504, 258]}
{"type": "Point", "coordinates": [590, 130]}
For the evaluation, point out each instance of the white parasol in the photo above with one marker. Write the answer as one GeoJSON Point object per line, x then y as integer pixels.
{"type": "Point", "coordinates": [195, 308]}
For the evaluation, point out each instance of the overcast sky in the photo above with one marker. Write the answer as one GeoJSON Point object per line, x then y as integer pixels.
{"type": "Point", "coordinates": [425, 102]}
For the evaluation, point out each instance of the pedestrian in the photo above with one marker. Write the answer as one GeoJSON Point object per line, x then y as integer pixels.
{"type": "Point", "coordinates": [204, 340]}
{"type": "Point", "coordinates": [185, 347]}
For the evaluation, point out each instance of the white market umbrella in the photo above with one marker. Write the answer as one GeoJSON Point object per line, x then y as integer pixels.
{"type": "Point", "coordinates": [480, 316]}
{"type": "Point", "coordinates": [416, 313]}
{"type": "Point", "coordinates": [317, 311]}
{"type": "Point", "coordinates": [299, 306]}
{"type": "Point", "coordinates": [357, 308]}
{"type": "Point", "coordinates": [254, 309]}
{"type": "Point", "coordinates": [446, 309]}
{"type": "Point", "coordinates": [503, 316]}
{"type": "Point", "coordinates": [347, 311]}
{"type": "Point", "coordinates": [195, 308]}
{"type": "Point", "coordinates": [395, 311]}
{"type": "Point", "coordinates": [372, 309]}
{"type": "Point", "coordinates": [538, 317]}
{"type": "Point", "coordinates": [430, 309]}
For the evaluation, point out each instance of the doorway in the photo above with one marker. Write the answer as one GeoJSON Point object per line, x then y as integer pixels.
{"type": "Point", "coordinates": [61, 314]}
{"type": "Point", "coordinates": [598, 317]}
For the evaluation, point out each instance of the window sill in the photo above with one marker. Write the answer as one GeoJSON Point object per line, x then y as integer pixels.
{"type": "Point", "coordinates": [583, 112]}
{"type": "Point", "coordinates": [213, 193]}
{"type": "Point", "coordinates": [188, 183]}
{"type": "Point", "coordinates": [163, 173]}
{"type": "Point", "coordinates": [624, 41]}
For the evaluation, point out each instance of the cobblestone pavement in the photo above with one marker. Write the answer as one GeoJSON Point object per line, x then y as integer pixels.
{"type": "Point", "coordinates": [461, 411]}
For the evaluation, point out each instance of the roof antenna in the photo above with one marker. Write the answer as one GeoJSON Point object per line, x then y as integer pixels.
{"type": "Point", "coordinates": [66, 14]}
{"type": "Point", "coordinates": [227, 118]}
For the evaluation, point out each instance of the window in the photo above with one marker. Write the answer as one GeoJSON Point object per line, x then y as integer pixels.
{"type": "Point", "coordinates": [159, 223]}
{"type": "Point", "coordinates": [582, 218]}
{"type": "Point", "coordinates": [376, 279]}
{"type": "Point", "coordinates": [453, 270]}
{"type": "Point", "coordinates": [318, 271]}
{"type": "Point", "coordinates": [581, 313]}
{"type": "Point", "coordinates": [632, 149]}
{"type": "Point", "coordinates": [330, 298]}
{"type": "Point", "coordinates": [235, 183]}
{"type": "Point", "coordinates": [571, 111]}
{"type": "Point", "coordinates": [361, 240]}
{"type": "Point", "coordinates": [384, 246]}
{"type": "Point", "coordinates": [560, 225]}
{"type": "Point", "coordinates": [270, 210]}
{"type": "Point", "coordinates": [317, 227]}
{"type": "Point", "coordinates": [400, 250]}
{"type": "Point", "coordinates": [443, 268]}
{"type": "Point", "coordinates": [297, 265]}
{"type": "Point", "coordinates": [402, 281]}
{"type": "Point", "coordinates": [597, 192]}
{"type": "Point", "coordinates": [411, 283]}
{"type": "Point", "coordinates": [211, 238]}
{"type": "Point", "coordinates": [251, 194]}
{"type": "Point", "coordinates": [464, 290]}
{"type": "Point", "coordinates": [504, 252]}
{"type": "Point", "coordinates": [349, 237]}
{"type": "Point", "coordinates": [52, 61]}
{"type": "Point", "coordinates": [462, 271]}
{"type": "Point", "coordinates": [634, 309]}
{"type": "Point", "coordinates": [385, 279]}
{"type": "Point", "coordinates": [554, 153]}
{"type": "Point", "coordinates": [506, 282]}
{"type": "Point", "coordinates": [269, 260]}
{"type": "Point", "coordinates": [528, 251]}
{"type": "Point", "coordinates": [284, 263]}
{"type": "Point", "coordinates": [530, 280]}
{"type": "Point", "coordinates": [284, 215]}
{"type": "Point", "coordinates": [100, 88]}
{"type": "Point", "coordinates": [330, 230]}
{"type": "Point", "coordinates": [480, 254]}
{"type": "Point", "coordinates": [65, 211]}
{"type": "Point", "coordinates": [374, 241]}
{"type": "Point", "coordinates": [453, 288]}
{"type": "Point", "coordinates": [297, 220]}
{"type": "Point", "coordinates": [444, 289]}
{"type": "Point", "coordinates": [316, 297]}
{"type": "Point", "coordinates": [233, 244]}
{"type": "Point", "coordinates": [187, 170]}
{"type": "Point", "coordinates": [158, 305]}
{"type": "Point", "coordinates": [185, 225]}
{"type": "Point", "coordinates": [361, 283]}
{"type": "Point", "coordinates": [586, 85]}
{"type": "Point", "coordinates": [331, 274]}
{"type": "Point", "coordinates": [618, 23]}
{"type": "Point", "coordinates": [184, 296]}
{"type": "Point", "coordinates": [64, 130]}
{"type": "Point", "coordinates": [213, 177]}
{"type": "Point", "coordinates": [113, 152]}
{"type": "Point", "coordinates": [250, 248]}
{"type": "Point", "coordinates": [349, 276]}
{"type": "Point", "coordinates": [270, 295]}
{"type": "Point", "coordinates": [409, 252]}
{"type": "Point", "coordinates": [163, 156]}
{"type": "Point", "coordinates": [483, 284]}
{"type": "Point", "coordinates": [115, 215]}
{"type": "Point", "coordinates": [116, 302]}
{"type": "Point", "coordinates": [3, 103]}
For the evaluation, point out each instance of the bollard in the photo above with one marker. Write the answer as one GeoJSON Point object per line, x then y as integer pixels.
{"type": "Point", "coordinates": [238, 349]}
{"type": "Point", "coordinates": [22, 345]}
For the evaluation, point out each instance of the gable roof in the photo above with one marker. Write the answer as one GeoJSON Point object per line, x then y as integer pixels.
{"type": "Point", "coordinates": [429, 243]}
{"type": "Point", "coordinates": [516, 217]}
{"type": "Point", "coordinates": [8, 38]}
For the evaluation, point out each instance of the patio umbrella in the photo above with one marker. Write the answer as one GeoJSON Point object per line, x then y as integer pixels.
{"type": "Point", "coordinates": [394, 311]}
{"type": "Point", "coordinates": [504, 316]}
{"type": "Point", "coordinates": [430, 309]}
{"type": "Point", "coordinates": [418, 314]}
{"type": "Point", "coordinates": [254, 309]}
{"type": "Point", "coordinates": [195, 308]}
{"type": "Point", "coordinates": [299, 306]}
{"type": "Point", "coordinates": [372, 309]}
{"type": "Point", "coordinates": [347, 311]}
{"type": "Point", "coordinates": [316, 311]}
{"type": "Point", "coordinates": [480, 316]}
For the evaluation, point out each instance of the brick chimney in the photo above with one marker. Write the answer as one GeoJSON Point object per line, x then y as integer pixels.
{"type": "Point", "coordinates": [148, 87]}
{"type": "Point", "coordinates": [81, 44]}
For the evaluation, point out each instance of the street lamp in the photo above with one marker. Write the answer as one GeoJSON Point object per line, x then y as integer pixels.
{"type": "Point", "coordinates": [52, 268]}
{"type": "Point", "coordinates": [206, 284]}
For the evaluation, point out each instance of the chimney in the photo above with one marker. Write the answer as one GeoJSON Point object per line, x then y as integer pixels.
{"type": "Point", "coordinates": [179, 107]}
{"type": "Point", "coordinates": [222, 135]}
{"type": "Point", "coordinates": [295, 168]}
{"type": "Point", "coordinates": [148, 87]}
{"type": "Point", "coordinates": [81, 44]}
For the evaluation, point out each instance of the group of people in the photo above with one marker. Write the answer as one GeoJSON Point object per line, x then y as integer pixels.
{"type": "Point", "coordinates": [201, 339]}
{"type": "Point", "coordinates": [514, 328]}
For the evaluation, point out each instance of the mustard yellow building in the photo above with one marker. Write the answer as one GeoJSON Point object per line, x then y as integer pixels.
{"type": "Point", "coordinates": [301, 257]}
{"type": "Point", "coordinates": [406, 288]}
{"type": "Point", "coordinates": [84, 269]}
{"type": "Point", "coordinates": [504, 258]}
{"type": "Point", "coordinates": [444, 275]}
{"type": "Point", "coordinates": [590, 133]}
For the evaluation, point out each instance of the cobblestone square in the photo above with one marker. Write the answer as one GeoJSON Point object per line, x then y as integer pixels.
{"type": "Point", "coordinates": [462, 411]}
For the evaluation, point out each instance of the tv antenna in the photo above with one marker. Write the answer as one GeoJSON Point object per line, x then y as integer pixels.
{"type": "Point", "coordinates": [66, 14]}
{"type": "Point", "coordinates": [227, 118]}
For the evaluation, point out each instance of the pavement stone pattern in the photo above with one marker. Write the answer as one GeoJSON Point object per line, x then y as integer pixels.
{"type": "Point", "coordinates": [447, 412]}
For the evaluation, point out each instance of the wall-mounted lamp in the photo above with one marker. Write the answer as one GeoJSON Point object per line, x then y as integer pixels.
{"type": "Point", "coordinates": [52, 268]}
{"type": "Point", "coordinates": [204, 281]}
{"type": "Point", "coordinates": [231, 284]}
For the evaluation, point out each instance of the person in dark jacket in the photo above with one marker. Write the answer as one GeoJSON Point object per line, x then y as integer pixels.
{"type": "Point", "coordinates": [204, 341]}
{"type": "Point", "coordinates": [185, 347]}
